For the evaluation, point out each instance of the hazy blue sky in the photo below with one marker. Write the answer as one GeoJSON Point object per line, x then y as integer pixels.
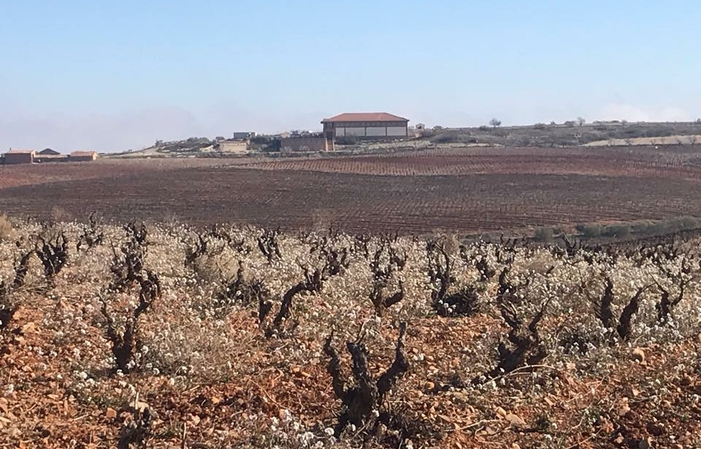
{"type": "Point", "coordinates": [113, 75]}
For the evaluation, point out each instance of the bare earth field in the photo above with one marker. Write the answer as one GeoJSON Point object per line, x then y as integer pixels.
{"type": "Point", "coordinates": [461, 190]}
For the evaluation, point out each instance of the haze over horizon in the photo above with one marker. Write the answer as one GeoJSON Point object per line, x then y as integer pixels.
{"type": "Point", "coordinates": [81, 74]}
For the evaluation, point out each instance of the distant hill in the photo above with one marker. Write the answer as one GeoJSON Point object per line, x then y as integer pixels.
{"type": "Point", "coordinates": [194, 146]}
{"type": "Point", "coordinates": [570, 134]}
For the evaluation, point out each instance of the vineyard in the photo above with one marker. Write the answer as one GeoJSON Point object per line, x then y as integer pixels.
{"type": "Point", "coordinates": [169, 336]}
{"type": "Point", "coordinates": [47, 173]}
{"type": "Point", "coordinates": [621, 161]}
{"type": "Point", "coordinates": [469, 190]}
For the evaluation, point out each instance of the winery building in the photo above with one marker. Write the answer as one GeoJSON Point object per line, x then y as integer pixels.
{"type": "Point", "coordinates": [19, 157]}
{"type": "Point", "coordinates": [365, 125]}
{"type": "Point", "coordinates": [82, 156]}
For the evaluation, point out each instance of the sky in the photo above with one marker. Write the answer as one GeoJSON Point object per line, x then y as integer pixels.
{"type": "Point", "coordinates": [106, 75]}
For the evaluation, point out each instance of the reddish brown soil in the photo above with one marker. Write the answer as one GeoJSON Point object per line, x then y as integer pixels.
{"type": "Point", "coordinates": [608, 162]}
{"type": "Point", "coordinates": [22, 175]}
{"type": "Point", "coordinates": [457, 190]}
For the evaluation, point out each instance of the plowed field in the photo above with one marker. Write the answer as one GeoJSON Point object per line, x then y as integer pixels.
{"type": "Point", "coordinates": [464, 191]}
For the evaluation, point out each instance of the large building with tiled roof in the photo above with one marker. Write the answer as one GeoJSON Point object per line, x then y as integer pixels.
{"type": "Point", "coordinates": [365, 125]}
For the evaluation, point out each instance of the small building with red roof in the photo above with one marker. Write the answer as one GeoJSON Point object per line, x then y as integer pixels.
{"type": "Point", "coordinates": [82, 156]}
{"type": "Point", "coordinates": [19, 157]}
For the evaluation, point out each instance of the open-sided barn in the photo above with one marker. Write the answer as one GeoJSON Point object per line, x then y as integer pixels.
{"type": "Point", "coordinates": [365, 125]}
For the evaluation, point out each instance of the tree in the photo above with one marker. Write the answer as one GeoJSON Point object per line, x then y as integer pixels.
{"type": "Point", "coordinates": [495, 123]}
{"type": "Point", "coordinates": [581, 121]}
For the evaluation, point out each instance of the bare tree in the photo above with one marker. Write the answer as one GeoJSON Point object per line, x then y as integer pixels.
{"type": "Point", "coordinates": [581, 121]}
{"type": "Point", "coordinates": [495, 123]}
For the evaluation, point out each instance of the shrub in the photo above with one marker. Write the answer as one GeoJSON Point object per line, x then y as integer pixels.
{"type": "Point", "coordinates": [346, 140]}
{"type": "Point", "coordinates": [445, 138]}
{"type": "Point", "coordinates": [649, 228]}
{"type": "Point", "coordinates": [683, 223]}
{"type": "Point", "coordinates": [8, 307]}
{"type": "Point", "coordinates": [589, 231]}
{"type": "Point", "coordinates": [59, 214]}
{"type": "Point", "coordinates": [6, 229]}
{"type": "Point", "coordinates": [364, 393]}
{"type": "Point", "coordinates": [93, 233]}
{"type": "Point", "coordinates": [544, 235]}
{"type": "Point", "coordinates": [53, 253]}
{"type": "Point", "coordinates": [617, 231]}
{"type": "Point", "coordinates": [273, 147]}
{"type": "Point", "coordinates": [464, 302]}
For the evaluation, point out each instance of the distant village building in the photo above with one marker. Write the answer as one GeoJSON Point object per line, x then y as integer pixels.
{"type": "Point", "coordinates": [13, 157]}
{"type": "Point", "coordinates": [233, 146]}
{"type": "Point", "coordinates": [49, 155]}
{"type": "Point", "coordinates": [244, 135]}
{"type": "Point", "coordinates": [48, 152]}
{"type": "Point", "coordinates": [82, 156]}
{"type": "Point", "coordinates": [370, 126]}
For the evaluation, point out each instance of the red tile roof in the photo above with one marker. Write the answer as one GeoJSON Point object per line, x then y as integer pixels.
{"type": "Point", "coordinates": [365, 117]}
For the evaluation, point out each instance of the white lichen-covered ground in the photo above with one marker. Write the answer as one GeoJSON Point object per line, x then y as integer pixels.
{"type": "Point", "coordinates": [506, 345]}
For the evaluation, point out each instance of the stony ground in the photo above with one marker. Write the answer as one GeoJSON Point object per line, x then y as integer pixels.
{"type": "Point", "coordinates": [205, 372]}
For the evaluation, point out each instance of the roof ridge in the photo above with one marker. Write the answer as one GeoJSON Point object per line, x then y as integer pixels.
{"type": "Point", "coordinates": [365, 117]}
